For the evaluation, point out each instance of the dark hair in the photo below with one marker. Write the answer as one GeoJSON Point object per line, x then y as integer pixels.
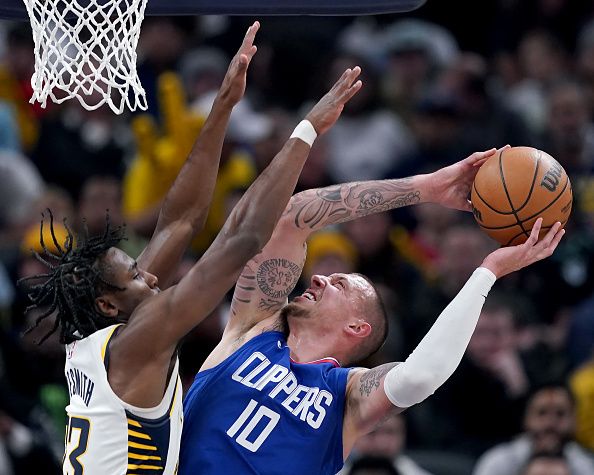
{"type": "Point", "coordinates": [548, 386]}
{"type": "Point", "coordinates": [379, 323]}
{"type": "Point", "coordinates": [75, 279]}
{"type": "Point", "coordinates": [374, 463]}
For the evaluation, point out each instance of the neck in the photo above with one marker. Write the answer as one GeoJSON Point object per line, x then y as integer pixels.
{"type": "Point", "coordinates": [309, 344]}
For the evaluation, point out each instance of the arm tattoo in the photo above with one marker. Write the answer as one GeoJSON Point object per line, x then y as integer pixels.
{"type": "Point", "coordinates": [269, 305]}
{"type": "Point", "coordinates": [277, 277]}
{"type": "Point", "coordinates": [370, 381]}
{"type": "Point", "coordinates": [339, 203]}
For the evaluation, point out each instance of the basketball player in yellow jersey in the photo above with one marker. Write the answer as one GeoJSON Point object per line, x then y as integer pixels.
{"type": "Point", "coordinates": [121, 331]}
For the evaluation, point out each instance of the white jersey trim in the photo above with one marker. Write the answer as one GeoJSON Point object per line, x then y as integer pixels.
{"type": "Point", "coordinates": [155, 412]}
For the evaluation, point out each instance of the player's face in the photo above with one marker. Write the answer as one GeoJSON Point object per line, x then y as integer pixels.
{"type": "Point", "coordinates": [137, 284]}
{"type": "Point", "coordinates": [334, 298]}
{"type": "Point", "coordinates": [549, 419]}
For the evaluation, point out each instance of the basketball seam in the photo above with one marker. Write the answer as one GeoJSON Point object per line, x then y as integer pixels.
{"type": "Point", "coordinates": [531, 185]}
{"type": "Point", "coordinates": [533, 215]}
{"type": "Point", "coordinates": [542, 229]}
{"type": "Point", "coordinates": [502, 175]}
{"type": "Point", "coordinates": [505, 213]}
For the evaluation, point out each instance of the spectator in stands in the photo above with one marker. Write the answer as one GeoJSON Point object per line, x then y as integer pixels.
{"type": "Point", "coordinates": [79, 143]}
{"type": "Point", "coordinates": [486, 121]}
{"type": "Point", "coordinates": [15, 84]}
{"type": "Point", "coordinates": [20, 452]}
{"type": "Point", "coordinates": [436, 125]}
{"type": "Point", "coordinates": [369, 139]}
{"type": "Point", "coordinates": [542, 61]}
{"type": "Point", "coordinates": [582, 386]}
{"type": "Point", "coordinates": [162, 42]}
{"type": "Point", "coordinates": [461, 248]}
{"type": "Point", "coordinates": [373, 466]}
{"type": "Point", "coordinates": [549, 422]}
{"type": "Point", "coordinates": [101, 196]}
{"type": "Point", "coordinates": [569, 133]}
{"type": "Point", "coordinates": [387, 255]}
{"type": "Point", "coordinates": [329, 252]}
{"type": "Point", "coordinates": [496, 373]}
{"type": "Point", "coordinates": [386, 441]}
{"type": "Point", "coordinates": [9, 133]}
{"type": "Point", "coordinates": [547, 464]}
{"type": "Point", "coordinates": [20, 186]}
{"type": "Point", "coordinates": [416, 51]}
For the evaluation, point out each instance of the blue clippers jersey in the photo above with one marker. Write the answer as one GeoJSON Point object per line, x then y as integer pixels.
{"type": "Point", "coordinates": [258, 412]}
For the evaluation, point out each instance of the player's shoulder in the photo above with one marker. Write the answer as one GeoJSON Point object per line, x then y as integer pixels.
{"type": "Point", "coordinates": [105, 334]}
{"type": "Point", "coordinates": [98, 340]}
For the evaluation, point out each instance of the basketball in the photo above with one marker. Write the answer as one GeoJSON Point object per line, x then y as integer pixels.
{"type": "Point", "coordinates": [514, 188]}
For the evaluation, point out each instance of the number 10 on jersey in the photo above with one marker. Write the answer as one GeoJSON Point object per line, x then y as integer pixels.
{"type": "Point", "coordinates": [247, 422]}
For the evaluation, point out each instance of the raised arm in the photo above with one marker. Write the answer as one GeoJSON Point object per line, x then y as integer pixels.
{"type": "Point", "coordinates": [245, 232]}
{"type": "Point", "coordinates": [186, 205]}
{"type": "Point", "coordinates": [373, 393]}
{"type": "Point", "coordinates": [268, 279]}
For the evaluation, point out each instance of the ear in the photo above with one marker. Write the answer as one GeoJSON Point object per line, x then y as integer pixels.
{"type": "Point", "coordinates": [359, 329]}
{"type": "Point", "coordinates": [106, 306]}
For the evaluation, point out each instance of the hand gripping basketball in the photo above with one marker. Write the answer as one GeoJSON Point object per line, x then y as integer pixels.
{"type": "Point", "coordinates": [506, 260]}
{"type": "Point", "coordinates": [450, 186]}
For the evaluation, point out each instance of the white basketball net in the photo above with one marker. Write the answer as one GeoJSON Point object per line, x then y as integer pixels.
{"type": "Point", "coordinates": [87, 49]}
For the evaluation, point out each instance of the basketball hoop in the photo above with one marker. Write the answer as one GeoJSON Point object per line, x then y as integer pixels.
{"type": "Point", "coordinates": [86, 49]}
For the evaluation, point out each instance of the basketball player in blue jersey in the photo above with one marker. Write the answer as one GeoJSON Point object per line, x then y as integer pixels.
{"type": "Point", "coordinates": [276, 396]}
{"type": "Point", "coordinates": [121, 331]}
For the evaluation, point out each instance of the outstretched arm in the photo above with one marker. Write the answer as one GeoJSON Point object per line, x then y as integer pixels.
{"type": "Point", "coordinates": [269, 278]}
{"type": "Point", "coordinates": [313, 209]}
{"type": "Point", "coordinates": [186, 205]}
{"type": "Point", "coordinates": [373, 393]}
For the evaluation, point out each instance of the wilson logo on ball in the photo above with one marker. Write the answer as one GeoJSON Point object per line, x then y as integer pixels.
{"type": "Point", "coordinates": [551, 179]}
{"type": "Point", "coordinates": [477, 214]}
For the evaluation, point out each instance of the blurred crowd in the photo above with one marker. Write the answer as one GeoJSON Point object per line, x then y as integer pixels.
{"type": "Point", "coordinates": [439, 83]}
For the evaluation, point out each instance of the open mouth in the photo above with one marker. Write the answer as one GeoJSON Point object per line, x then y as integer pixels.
{"type": "Point", "coordinates": [309, 295]}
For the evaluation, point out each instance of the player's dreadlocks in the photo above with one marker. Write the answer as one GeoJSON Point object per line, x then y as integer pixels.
{"type": "Point", "coordinates": [74, 280]}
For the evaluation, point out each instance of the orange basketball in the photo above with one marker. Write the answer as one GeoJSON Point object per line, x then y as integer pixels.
{"type": "Point", "coordinates": [514, 188]}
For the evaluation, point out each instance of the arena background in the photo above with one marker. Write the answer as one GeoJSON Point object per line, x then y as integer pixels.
{"type": "Point", "coordinates": [439, 83]}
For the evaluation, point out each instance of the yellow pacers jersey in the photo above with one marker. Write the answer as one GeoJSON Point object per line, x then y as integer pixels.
{"type": "Point", "coordinates": [106, 436]}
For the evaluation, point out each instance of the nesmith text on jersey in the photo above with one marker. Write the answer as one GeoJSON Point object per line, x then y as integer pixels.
{"type": "Point", "coordinates": [80, 384]}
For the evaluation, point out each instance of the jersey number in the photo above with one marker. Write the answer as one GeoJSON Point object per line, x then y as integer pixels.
{"type": "Point", "coordinates": [262, 412]}
{"type": "Point", "coordinates": [83, 426]}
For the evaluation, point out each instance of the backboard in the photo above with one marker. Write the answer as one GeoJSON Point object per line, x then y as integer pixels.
{"type": "Point", "coordinates": [15, 9]}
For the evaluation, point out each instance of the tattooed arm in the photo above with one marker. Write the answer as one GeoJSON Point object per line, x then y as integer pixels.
{"type": "Point", "coordinates": [313, 209]}
{"type": "Point", "coordinates": [367, 404]}
{"type": "Point", "coordinates": [268, 279]}
{"type": "Point", "coordinates": [450, 186]}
